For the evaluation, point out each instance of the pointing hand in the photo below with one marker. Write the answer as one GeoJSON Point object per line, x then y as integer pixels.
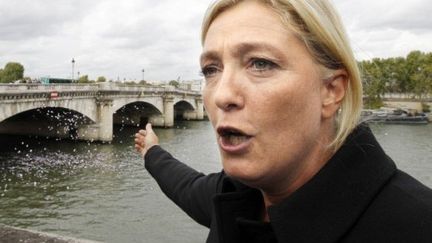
{"type": "Point", "coordinates": [145, 139]}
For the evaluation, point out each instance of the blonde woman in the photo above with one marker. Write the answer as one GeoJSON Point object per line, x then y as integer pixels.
{"type": "Point", "coordinates": [283, 94]}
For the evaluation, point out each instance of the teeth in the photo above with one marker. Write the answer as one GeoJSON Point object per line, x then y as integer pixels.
{"type": "Point", "coordinates": [235, 140]}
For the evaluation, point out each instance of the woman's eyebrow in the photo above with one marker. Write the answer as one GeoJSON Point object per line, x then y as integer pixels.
{"type": "Point", "coordinates": [243, 48]}
{"type": "Point", "coordinates": [209, 55]}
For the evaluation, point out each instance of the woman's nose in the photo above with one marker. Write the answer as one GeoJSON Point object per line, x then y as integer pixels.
{"type": "Point", "coordinates": [229, 93]}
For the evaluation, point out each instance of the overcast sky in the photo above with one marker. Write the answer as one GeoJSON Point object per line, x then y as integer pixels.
{"type": "Point", "coordinates": [117, 39]}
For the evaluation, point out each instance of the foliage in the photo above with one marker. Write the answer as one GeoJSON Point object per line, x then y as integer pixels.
{"type": "Point", "coordinates": [84, 79]}
{"type": "Point", "coordinates": [174, 83]}
{"type": "Point", "coordinates": [101, 79]}
{"type": "Point", "coordinates": [12, 71]}
{"type": "Point", "coordinates": [412, 74]}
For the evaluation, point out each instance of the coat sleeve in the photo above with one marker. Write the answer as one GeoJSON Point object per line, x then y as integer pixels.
{"type": "Point", "coordinates": [191, 190]}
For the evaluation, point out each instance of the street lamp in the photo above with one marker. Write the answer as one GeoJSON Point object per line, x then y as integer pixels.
{"type": "Point", "coordinates": [73, 66]}
{"type": "Point", "coordinates": [142, 74]}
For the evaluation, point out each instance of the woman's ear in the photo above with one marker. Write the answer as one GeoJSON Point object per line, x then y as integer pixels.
{"type": "Point", "coordinates": [333, 91]}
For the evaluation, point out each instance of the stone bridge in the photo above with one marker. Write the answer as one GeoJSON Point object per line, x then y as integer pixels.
{"type": "Point", "coordinates": [88, 111]}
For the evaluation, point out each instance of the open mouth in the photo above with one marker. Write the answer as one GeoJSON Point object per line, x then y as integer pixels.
{"type": "Point", "coordinates": [232, 136]}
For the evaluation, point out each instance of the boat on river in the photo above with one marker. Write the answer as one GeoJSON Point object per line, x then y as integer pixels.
{"type": "Point", "coordinates": [393, 116]}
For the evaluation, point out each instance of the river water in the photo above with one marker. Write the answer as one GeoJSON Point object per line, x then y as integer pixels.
{"type": "Point", "coordinates": [102, 191]}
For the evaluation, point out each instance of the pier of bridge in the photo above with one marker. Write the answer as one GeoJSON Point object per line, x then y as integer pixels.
{"type": "Point", "coordinates": [88, 111]}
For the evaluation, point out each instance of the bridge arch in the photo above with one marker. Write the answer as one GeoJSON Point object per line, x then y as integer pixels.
{"type": "Point", "coordinates": [183, 109]}
{"type": "Point", "coordinates": [86, 107]}
{"type": "Point", "coordinates": [46, 121]}
{"type": "Point", "coordinates": [136, 113]}
{"type": "Point", "coordinates": [190, 101]}
{"type": "Point", "coordinates": [154, 101]}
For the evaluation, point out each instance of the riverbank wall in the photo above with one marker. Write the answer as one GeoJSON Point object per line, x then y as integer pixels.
{"type": "Point", "coordinates": [13, 234]}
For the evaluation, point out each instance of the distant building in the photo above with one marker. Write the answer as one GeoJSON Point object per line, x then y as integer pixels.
{"type": "Point", "coordinates": [195, 85]}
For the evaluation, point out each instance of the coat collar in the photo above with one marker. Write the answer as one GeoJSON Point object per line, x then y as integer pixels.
{"type": "Point", "coordinates": [327, 206]}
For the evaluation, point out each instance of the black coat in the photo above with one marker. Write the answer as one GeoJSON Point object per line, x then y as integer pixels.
{"type": "Point", "coordinates": [358, 196]}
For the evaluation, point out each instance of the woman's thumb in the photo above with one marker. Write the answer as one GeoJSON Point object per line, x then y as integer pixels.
{"type": "Point", "coordinates": [149, 128]}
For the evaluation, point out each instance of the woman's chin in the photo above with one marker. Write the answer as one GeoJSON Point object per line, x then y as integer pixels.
{"type": "Point", "coordinates": [245, 173]}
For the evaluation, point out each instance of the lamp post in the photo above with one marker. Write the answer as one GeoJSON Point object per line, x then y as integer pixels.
{"type": "Point", "coordinates": [73, 66]}
{"type": "Point", "coordinates": [142, 74]}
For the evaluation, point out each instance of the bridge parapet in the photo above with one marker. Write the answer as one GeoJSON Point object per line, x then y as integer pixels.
{"type": "Point", "coordinates": [46, 91]}
{"type": "Point", "coordinates": [94, 86]}
{"type": "Point", "coordinates": [4, 88]}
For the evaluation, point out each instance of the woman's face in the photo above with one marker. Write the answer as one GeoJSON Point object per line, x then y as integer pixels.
{"type": "Point", "coordinates": [263, 96]}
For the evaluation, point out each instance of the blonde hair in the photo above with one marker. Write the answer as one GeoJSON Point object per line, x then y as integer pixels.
{"type": "Point", "coordinates": [318, 25]}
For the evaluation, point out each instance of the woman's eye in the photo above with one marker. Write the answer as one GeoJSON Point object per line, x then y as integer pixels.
{"type": "Point", "coordinates": [209, 71]}
{"type": "Point", "coordinates": [262, 65]}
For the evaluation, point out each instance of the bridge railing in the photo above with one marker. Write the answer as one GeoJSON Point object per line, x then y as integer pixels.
{"type": "Point", "coordinates": [46, 87]}
{"type": "Point", "coordinates": [25, 91]}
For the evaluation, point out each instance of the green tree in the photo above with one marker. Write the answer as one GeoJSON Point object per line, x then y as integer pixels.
{"type": "Point", "coordinates": [412, 65]}
{"type": "Point", "coordinates": [101, 79]}
{"type": "Point", "coordinates": [400, 75]}
{"type": "Point", "coordinates": [421, 78]}
{"type": "Point", "coordinates": [428, 71]}
{"type": "Point", "coordinates": [174, 83]}
{"type": "Point", "coordinates": [374, 82]}
{"type": "Point", "coordinates": [11, 72]}
{"type": "Point", "coordinates": [412, 74]}
{"type": "Point", "coordinates": [83, 79]}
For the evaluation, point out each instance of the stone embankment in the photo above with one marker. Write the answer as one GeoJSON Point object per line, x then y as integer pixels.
{"type": "Point", "coordinates": [12, 234]}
